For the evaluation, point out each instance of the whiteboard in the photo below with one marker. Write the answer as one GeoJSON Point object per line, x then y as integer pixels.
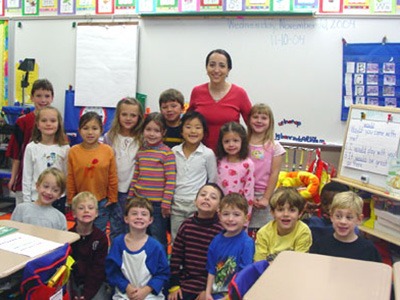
{"type": "Point", "coordinates": [292, 64]}
{"type": "Point", "coordinates": [371, 145]}
{"type": "Point", "coordinates": [106, 63]}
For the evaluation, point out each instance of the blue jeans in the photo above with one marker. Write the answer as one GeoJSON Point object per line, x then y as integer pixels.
{"type": "Point", "coordinates": [158, 229]}
{"type": "Point", "coordinates": [122, 204]}
{"type": "Point", "coordinates": [111, 213]}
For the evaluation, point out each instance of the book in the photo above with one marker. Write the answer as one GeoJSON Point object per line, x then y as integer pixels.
{"type": "Point", "coordinates": [4, 230]}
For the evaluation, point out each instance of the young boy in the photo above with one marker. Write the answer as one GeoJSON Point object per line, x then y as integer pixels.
{"type": "Point", "coordinates": [286, 231]}
{"type": "Point", "coordinates": [88, 280]}
{"type": "Point", "coordinates": [322, 226]}
{"type": "Point", "coordinates": [171, 106]}
{"type": "Point", "coordinates": [50, 186]}
{"type": "Point", "coordinates": [137, 264]}
{"type": "Point", "coordinates": [42, 95]}
{"type": "Point", "coordinates": [346, 215]}
{"type": "Point", "coordinates": [231, 250]}
{"type": "Point", "coordinates": [189, 253]}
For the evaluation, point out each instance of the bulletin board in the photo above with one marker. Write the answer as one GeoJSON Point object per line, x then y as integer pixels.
{"type": "Point", "coordinates": [371, 144]}
{"type": "Point", "coordinates": [371, 74]}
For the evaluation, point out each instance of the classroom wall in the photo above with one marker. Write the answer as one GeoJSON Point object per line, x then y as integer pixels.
{"type": "Point", "coordinates": [292, 64]}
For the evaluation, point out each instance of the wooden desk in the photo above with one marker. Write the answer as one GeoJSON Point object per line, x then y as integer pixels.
{"type": "Point", "coordinates": [12, 262]}
{"type": "Point", "coordinates": [295, 275]}
{"type": "Point", "coordinates": [396, 279]}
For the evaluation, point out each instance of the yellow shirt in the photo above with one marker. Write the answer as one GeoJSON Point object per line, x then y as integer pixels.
{"type": "Point", "coordinates": [268, 241]}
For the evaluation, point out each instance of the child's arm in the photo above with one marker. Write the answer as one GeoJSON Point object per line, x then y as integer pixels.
{"type": "Point", "coordinates": [14, 170]}
{"type": "Point", "coordinates": [159, 268]}
{"type": "Point", "coordinates": [210, 281]}
{"type": "Point", "coordinates": [261, 246]}
{"type": "Point", "coordinates": [271, 184]}
{"type": "Point", "coordinates": [95, 276]}
{"type": "Point", "coordinates": [211, 167]}
{"type": "Point", "coordinates": [114, 274]}
{"type": "Point", "coordinates": [170, 182]}
{"type": "Point", "coordinates": [249, 181]}
{"type": "Point", "coordinates": [247, 254]}
{"type": "Point", "coordinates": [131, 192]}
{"type": "Point", "coordinates": [304, 239]}
{"type": "Point", "coordinates": [71, 188]}
{"type": "Point", "coordinates": [112, 191]}
{"type": "Point", "coordinates": [27, 175]}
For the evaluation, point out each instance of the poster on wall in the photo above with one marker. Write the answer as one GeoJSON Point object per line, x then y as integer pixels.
{"type": "Point", "coordinates": [30, 7]}
{"type": "Point", "coordinates": [371, 75]}
{"type": "Point", "coordinates": [66, 7]}
{"type": "Point", "coordinates": [105, 46]}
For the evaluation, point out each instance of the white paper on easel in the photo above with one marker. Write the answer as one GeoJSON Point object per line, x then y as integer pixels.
{"type": "Point", "coordinates": [106, 64]}
{"type": "Point", "coordinates": [26, 244]}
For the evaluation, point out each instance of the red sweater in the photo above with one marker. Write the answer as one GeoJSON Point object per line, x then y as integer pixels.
{"type": "Point", "coordinates": [217, 113]}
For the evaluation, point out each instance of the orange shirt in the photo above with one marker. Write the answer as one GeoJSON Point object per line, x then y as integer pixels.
{"type": "Point", "coordinates": [92, 170]}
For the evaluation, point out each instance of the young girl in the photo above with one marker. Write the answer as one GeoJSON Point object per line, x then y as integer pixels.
{"type": "Point", "coordinates": [235, 168]}
{"type": "Point", "coordinates": [124, 138]}
{"type": "Point", "coordinates": [155, 174]}
{"type": "Point", "coordinates": [50, 186]}
{"type": "Point", "coordinates": [267, 155]}
{"type": "Point", "coordinates": [195, 164]}
{"type": "Point", "coordinates": [92, 168]}
{"type": "Point", "coordinates": [48, 148]}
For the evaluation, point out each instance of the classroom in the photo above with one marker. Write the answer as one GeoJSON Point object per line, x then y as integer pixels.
{"type": "Point", "coordinates": [291, 55]}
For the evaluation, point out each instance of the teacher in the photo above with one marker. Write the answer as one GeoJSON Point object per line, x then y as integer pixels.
{"type": "Point", "coordinates": [218, 100]}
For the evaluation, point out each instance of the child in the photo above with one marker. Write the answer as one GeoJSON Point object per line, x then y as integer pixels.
{"type": "Point", "coordinates": [346, 214]}
{"type": "Point", "coordinates": [171, 106]}
{"type": "Point", "coordinates": [322, 226]}
{"type": "Point", "coordinates": [286, 231]}
{"type": "Point", "coordinates": [50, 186]}
{"type": "Point", "coordinates": [88, 281]}
{"type": "Point", "coordinates": [124, 138]}
{"type": "Point", "coordinates": [42, 94]}
{"type": "Point", "coordinates": [189, 253]}
{"type": "Point", "coordinates": [231, 250]}
{"type": "Point", "coordinates": [155, 174]}
{"type": "Point", "coordinates": [49, 148]}
{"type": "Point", "coordinates": [92, 167]}
{"type": "Point", "coordinates": [195, 164]}
{"type": "Point", "coordinates": [267, 156]}
{"type": "Point", "coordinates": [235, 168]}
{"type": "Point", "coordinates": [137, 265]}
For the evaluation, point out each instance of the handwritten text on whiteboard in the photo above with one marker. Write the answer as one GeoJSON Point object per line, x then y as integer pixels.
{"type": "Point", "coordinates": [370, 145]}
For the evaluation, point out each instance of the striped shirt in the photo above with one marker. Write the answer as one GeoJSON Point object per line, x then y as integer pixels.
{"type": "Point", "coordinates": [189, 253]}
{"type": "Point", "coordinates": [154, 177]}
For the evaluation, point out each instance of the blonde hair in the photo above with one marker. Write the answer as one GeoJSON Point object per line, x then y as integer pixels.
{"type": "Point", "coordinates": [60, 138]}
{"type": "Point", "coordinates": [286, 194]}
{"type": "Point", "coordinates": [116, 126]}
{"type": "Point", "coordinates": [347, 200]}
{"type": "Point", "coordinates": [82, 197]}
{"type": "Point", "coordinates": [59, 176]}
{"type": "Point", "coordinates": [263, 109]}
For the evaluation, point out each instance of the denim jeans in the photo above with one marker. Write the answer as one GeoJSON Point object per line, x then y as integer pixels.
{"type": "Point", "coordinates": [111, 213]}
{"type": "Point", "coordinates": [158, 229]}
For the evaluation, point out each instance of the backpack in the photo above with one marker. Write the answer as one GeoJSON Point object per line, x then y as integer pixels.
{"type": "Point", "coordinates": [38, 272]}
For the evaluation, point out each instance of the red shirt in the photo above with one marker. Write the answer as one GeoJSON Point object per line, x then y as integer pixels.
{"type": "Point", "coordinates": [236, 103]}
{"type": "Point", "coordinates": [18, 141]}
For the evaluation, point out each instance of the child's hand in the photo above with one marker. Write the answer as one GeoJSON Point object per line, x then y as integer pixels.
{"type": "Point", "coordinates": [130, 291]}
{"type": "Point", "coordinates": [141, 293]}
{"type": "Point", "coordinates": [261, 203]}
{"type": "Point", "coordinates": [201, 296]}
{"type": "Point", "coordinates": [165, 212]}
{"type": "Point", "coordinates": [209, 297]}
{"type": "Point", "coordinates": [79, 298]}
{"type": "Point", "coordinates": [177, 295]}
{"type": "Point", "coordinates": [108, 203]}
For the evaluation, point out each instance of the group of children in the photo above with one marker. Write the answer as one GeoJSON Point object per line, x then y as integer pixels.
{"type": "Point", "coordinates": [153, 174]}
